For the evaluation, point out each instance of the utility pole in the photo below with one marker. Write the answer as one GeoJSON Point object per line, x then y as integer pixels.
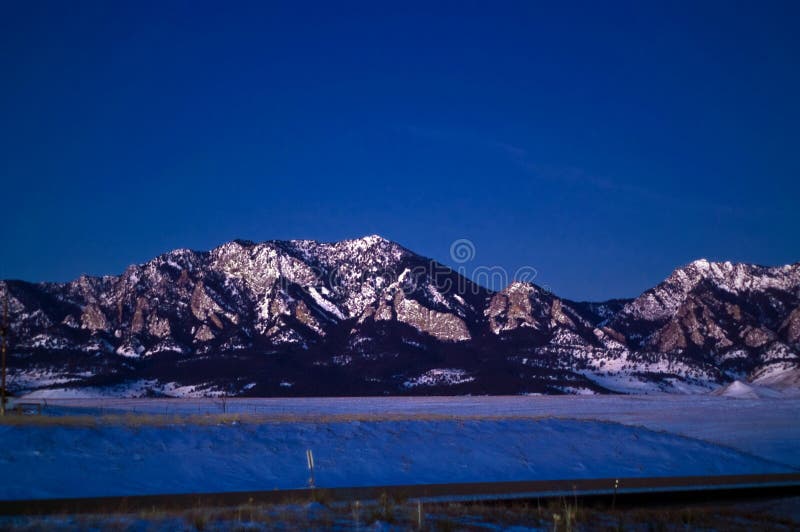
{"type": "Point", "coordinates": [4, 332]}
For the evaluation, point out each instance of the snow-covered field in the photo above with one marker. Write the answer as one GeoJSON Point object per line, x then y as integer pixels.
{"type": "Point", "coordinates": [377, 441]}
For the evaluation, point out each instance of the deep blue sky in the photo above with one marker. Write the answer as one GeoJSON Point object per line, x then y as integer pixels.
{"type": "Point", "coordinates": [603, 144]}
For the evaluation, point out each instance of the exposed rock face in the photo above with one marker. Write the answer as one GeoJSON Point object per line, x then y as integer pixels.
{"type": "Point", "coordinates": [757, 336]}
{"type": "Point", "coordinates": [524, 305]}
{"type": "Point", "coordinates": [159, 327]}
{"type": "Point", "coordinates": [671, 337]}
{"type": "Point", "coordinates": [790, 328]}
{"type": "Point", "coordinates": [558, 316]}
{"type": "Point", "coordinates": [93, 318]}
{"type": "Point", "coordinates": [369, 316]}
{"type": "Point", "coordinates": [137, 323]}
{"type": "Point", "coordinates": [441, 325]}
{"type": "Point", "coordinates": [307, 318]}
{"type": "Point", "coordinates": [695, 324]}
{"type": "Point", "coordinates": [415, 300]}
{"type": "Point", "coordinates": [204, 334]}
{"type": "Point", "coordinates": [519, 305]}
{"type": "Point", "coordinates": [734, 286]}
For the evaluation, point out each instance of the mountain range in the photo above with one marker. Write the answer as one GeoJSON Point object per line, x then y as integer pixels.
{"type": "Point", "coordinates": [370, 317]}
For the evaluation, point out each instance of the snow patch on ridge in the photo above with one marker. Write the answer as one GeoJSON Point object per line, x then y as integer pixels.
{"type": "Point", "coordinates": [440, 377]}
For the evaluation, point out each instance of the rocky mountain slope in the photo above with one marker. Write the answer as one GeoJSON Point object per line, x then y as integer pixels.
{"type": "Point", "coordinates": [369, 317]}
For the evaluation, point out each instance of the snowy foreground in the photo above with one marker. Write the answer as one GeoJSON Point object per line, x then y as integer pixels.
{"type": "Point", "coordinates": [381, 441]}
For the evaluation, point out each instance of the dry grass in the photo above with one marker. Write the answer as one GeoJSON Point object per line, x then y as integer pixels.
{"type": "Point", "coordinates": [557, 515]}
{"type": "Point", "coordinates": [157, 420]}
{"type": "Point", "coordinates": [705, 517]}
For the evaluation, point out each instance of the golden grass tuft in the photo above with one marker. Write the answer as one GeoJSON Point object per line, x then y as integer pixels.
{"type": "Point", "coordinates": [159, 420]}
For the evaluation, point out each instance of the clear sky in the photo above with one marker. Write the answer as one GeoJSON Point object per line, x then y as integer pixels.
{"type": "Point", "coordinates": [601, 143]}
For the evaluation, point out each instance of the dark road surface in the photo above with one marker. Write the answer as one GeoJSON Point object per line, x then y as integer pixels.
{"type": "Point", "coordinates": [628, 492]}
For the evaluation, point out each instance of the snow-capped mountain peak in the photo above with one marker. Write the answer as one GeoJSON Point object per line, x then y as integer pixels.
{"type": "Point", "coordinates": [367, 315]}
